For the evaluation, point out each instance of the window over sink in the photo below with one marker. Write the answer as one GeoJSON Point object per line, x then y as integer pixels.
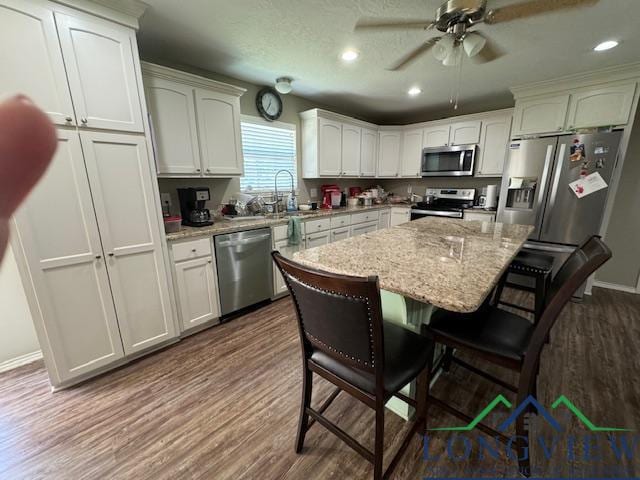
{"type": "Point", "coordinates": [267, 148]}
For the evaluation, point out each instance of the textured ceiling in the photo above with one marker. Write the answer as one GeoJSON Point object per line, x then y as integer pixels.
{"type": "Point", "coordinates": [259, 40]}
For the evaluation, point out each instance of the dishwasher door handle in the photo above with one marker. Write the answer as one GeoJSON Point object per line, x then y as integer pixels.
{"type": "Point", "coordinates": [244, 241]}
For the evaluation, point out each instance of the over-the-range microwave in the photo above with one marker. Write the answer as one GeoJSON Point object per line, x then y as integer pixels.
{"type": "Point", "coordinates": [450, 161]}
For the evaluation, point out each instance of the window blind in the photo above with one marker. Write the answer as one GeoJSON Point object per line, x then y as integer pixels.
{"type": "Point", "coordinates": [268, 149]}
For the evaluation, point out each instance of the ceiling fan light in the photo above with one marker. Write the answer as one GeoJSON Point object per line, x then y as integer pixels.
{"type": "Point", "coordinates": [473, 43]}
{"type": "Point", "coordinates": [443, 48]}
{"type": "Point", "coordinates": [453, 58]}
{"type": "Point", "coordinates": [283, 85]}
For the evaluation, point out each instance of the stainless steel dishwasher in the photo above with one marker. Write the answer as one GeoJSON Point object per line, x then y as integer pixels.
{"type": "Point", "coordinates": [245, 268]}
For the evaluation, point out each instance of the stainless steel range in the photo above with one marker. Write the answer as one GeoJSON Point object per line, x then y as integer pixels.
{"type": "Point", "coordinates": [444, 202]}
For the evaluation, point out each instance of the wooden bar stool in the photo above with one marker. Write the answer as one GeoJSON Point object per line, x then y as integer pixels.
{"type": "Point", "coordinates": [532, 264]}
{"type": "Point", "coordinates": [509, 340]}
{"type": "Point", "coordinates": [345, 341]}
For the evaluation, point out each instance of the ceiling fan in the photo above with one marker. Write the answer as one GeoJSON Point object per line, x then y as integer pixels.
{"type": "Point", "coordinates": [455, 18]}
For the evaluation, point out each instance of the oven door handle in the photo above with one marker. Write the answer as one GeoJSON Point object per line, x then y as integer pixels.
{"type": "Point", "coordinates": [434, 213]}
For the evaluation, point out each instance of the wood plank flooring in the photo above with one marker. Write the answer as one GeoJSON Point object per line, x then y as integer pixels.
{"type": "Point", "coordinates": [223, 404]}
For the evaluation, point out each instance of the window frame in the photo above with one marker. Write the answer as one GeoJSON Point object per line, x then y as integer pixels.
{"type": "Point", "coordinates": [275, 124]}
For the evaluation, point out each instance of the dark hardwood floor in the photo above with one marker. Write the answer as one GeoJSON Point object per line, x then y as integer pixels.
{"type": "Point", "coordinates": [223, 404]}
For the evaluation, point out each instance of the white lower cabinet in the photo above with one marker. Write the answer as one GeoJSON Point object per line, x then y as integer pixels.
{"type": "Point", "coordinates": [287, 251]}
{"type": "Point", "coordinates": [363, 228]}
{"type": "Point", "coordinates": [399, 216]}
{"type": "Point", "coordinates": [479, 216]}
{"type": "Point", "coordinates": [197, 291]}
{"type": "Point", "coordinates": [97, 284]}
{"type": "Point", "coordinates": [317, 239]}
{"type": "Point", "coordinates": [338, 234]}
{"type": "Point", "coordinates": [385, 219]}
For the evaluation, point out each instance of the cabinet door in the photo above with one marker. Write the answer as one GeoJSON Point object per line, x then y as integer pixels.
{"type": "Point", "coordinates": [385, 219]}
{"type": "Point", "coordinates": [339, 234]}
{"type": "Point", "coordinates": [218, 117]}
{"type": "Point", "coordinates": [74, 314]}
{"type": "Point", "coordinates": [492, 151]}
{"type": "Point", "coordinates": [540, 115]}
{"type": "Point", "coordinates": [389, 148]}
{"type": "Point", "coordinates": [120, 179]}
{"type": "Point", "coordinates": [399, 216]}
{"type": "Point", "coordinates": [287, 251]}
{"type": "Point", "coordinates": [411, 153]}
{"type": "Point", "coordinates": [351, 150]}
{"type": "Point", "coordinates": [173, 117]}
{"type": "Point", "coordinates": [437, 136]}
{"type": "Point", "coordinates": [99, 56]}
{"type": "Point", "coordinates": [464, 133]}
{"type": "Point", "coordinates": [197, 289]}
{"type": "Point", "coordinates": [368, 153]}
{"type": "Point", "coordinates": [610, 105]}
{"type": "Point", "coordinates": [329, 147]}
{"type": "Point", "coordinates": [317, 239]}
{"type": "Point", "coordinates": [479, 217]}
{"type": "Point", "coordinates": [31, 58]}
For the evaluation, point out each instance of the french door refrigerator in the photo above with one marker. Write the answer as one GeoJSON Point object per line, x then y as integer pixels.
{"type": "Point", "coordinates": [536, 189]}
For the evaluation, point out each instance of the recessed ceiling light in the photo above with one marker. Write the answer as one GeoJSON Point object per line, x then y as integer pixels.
{"type": "Point", "coordinates": [609, 44]}
{"type": "Point", "coordinates": [413, 91]}
{"type": "Point", "coordinates": [350, 55]}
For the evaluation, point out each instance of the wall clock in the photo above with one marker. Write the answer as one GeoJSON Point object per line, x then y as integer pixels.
{"type": "Point", "coordinates": [269, 104]}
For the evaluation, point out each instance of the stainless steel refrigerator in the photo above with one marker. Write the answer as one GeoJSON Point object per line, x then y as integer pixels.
{"type": "Point", "coordinates": [536, 188]}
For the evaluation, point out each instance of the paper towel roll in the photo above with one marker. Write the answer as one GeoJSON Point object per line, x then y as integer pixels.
{"type": "Point", "coordinates": [492, 196]}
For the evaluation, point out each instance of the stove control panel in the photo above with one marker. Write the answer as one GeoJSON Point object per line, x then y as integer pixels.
{"type": "Point", "coordinates": [452, 193]}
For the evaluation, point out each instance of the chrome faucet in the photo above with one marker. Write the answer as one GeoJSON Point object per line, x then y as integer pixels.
{"type": "Point", "coordinates": [293, 190]}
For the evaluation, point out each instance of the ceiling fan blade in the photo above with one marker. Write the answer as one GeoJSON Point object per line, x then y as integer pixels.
{"type": "Point", "coordinates": [531, 8]}
{"type": "Point", "coordinates": [392, 24]}
{"type": "Point", "coordinates": [489, 52]}
{"type": "Point", "coordinates": [414, 54]}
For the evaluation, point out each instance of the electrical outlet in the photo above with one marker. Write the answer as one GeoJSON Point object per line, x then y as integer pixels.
{"type": "Point", "coordinates": [165, 198]}
{"type": "Point", "coordinates": [313, 192]}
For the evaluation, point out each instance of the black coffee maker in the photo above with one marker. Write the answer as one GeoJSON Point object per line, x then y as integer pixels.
{"type": "Point", "coordinates": [192, 202]}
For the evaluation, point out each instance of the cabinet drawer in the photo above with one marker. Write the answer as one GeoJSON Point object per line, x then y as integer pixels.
{"type": "Point", "coordinates": [280, 232]}
{"type": "Point", "coordinates": [362, 217]}
{"type": "Point", "coordinates": [340, 221]}
{"type": "Point", "coordinates": [319, 225]}
{"type": "Point", "coordinates": [191, 249]}
{"type": "Point", "coordinates": [363, 228]}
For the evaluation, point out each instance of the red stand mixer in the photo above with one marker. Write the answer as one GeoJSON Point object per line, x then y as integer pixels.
{"type": "Point", "coordinates": [331, 196]}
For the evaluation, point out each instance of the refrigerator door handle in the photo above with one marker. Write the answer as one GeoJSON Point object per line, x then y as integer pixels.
{"type": "Point", "coordinates": [556, 181]}
{"type": "Point", "coordinates": [543, 186]}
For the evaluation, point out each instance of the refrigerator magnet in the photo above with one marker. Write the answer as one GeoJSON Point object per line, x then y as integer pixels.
{"type": "Point", "coordinates": [588, 185]}
{"type": "Point", "coordinates": [577, 151]}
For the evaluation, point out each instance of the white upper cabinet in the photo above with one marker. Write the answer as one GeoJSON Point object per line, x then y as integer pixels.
{"type": "Point", "coordinates": [411, 153]}
{"type": "Point", "coordinates": [351, 150]}
{"type": "Point", "coordinates": [464, 133]}
{"type": "Point", "coordinates": [329, 147]}
{"type": "Point", "coordinates": [369, 152]}
{"type": "Point", "coordinates": [436, 136]}
{"type": "Point", "coordinates": [31, 58]}
{"type": "Point", "coordinates": [173, 117]}
{"type": "Point", "coordinates": [72, 306]}
{"type": "Point", "coordinates": [540, 115]}
{"type": "Point", "coordinates": [602, 106]}
{"type": "Point", "coordinates": [99, 58]}
{"type": "Point", "coordinates": [389, 150]}
{"type": "Point", "coordinates": [121, 186]}
{"type": "Point", "coordinates": [218, 117]}
{"type": "Point", "coordinates": [492, 150]}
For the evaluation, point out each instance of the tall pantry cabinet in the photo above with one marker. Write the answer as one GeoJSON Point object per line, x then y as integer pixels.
{"type": "Point", "coordinates": [88, 240]}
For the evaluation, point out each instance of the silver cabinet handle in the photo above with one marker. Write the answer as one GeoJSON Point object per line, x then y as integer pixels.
{"type": "Point", "coordinates": [68, 119]}
{"type": "Point", "coordinates": [111, 254]}
{"type": "Point", "coordinates": [208, 169]}
{"type": "Point", "coordinates": [197, 170]}
{"type": "Point", "coordinates": [98, 257]}
{"type": "Point", "coordinates": [194, 250]}
{"type": "Point", "coordinates": [209, 261]}
{"type": "Point", "coordinates": [83, 120]}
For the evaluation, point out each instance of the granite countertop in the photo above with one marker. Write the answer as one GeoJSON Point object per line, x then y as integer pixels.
{"type": "Point", "coordinates": [222, 225]}
{"type": "Point", "coordinates": [452, 264]}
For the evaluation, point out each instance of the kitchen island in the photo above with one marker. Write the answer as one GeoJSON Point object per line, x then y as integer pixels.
{"type": "Point", "coordinates": [425, 264]}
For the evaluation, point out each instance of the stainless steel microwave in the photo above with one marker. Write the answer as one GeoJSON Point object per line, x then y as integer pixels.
{"type": "Point", "coordinates": [453, 161]}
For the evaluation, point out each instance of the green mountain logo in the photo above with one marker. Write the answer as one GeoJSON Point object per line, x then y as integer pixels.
{"type": "Point", "coordinates": [531, 402]}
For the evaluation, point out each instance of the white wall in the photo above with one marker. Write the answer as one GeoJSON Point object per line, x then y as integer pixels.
{"type": "Point", "coordinates": [17, 335]}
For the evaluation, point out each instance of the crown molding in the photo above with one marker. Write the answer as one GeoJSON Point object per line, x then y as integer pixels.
{"type": "Point", "coordinates": [159, 71]}
{"type": "Point", "coordinates": [125, 12]}
{"type": "Point", "coordinates": [585, 79]}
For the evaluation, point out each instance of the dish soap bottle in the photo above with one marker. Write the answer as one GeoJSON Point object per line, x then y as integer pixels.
{"type": "Point", "coordinates": [292, 202]}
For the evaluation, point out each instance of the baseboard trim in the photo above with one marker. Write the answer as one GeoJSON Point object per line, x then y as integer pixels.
{"type": "Point", "coordinates": [19, 361]}
{"type": "Point", "coordinates": [614, 286]}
